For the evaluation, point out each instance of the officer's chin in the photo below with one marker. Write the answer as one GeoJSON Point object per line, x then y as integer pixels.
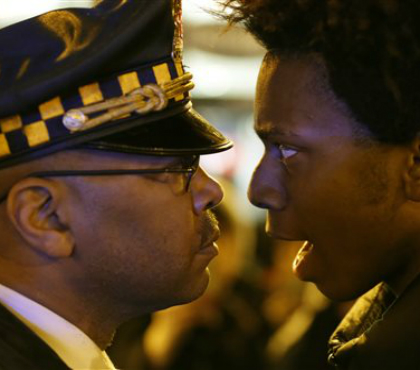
{"type": "Point", "coordinates": [193, 293]}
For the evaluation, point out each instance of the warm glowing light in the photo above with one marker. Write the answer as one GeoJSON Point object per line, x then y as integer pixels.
{"type": "Point", "coordinates": [219, 76]}
{"type": "Point", "coordinates": [198, 11]}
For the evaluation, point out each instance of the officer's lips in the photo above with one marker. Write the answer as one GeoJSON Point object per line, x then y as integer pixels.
{"type": "Point", "coordinates": [209, 246]}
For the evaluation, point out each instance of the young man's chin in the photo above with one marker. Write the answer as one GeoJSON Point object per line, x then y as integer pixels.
{"type": "Point", "coordinates": [339, 293]}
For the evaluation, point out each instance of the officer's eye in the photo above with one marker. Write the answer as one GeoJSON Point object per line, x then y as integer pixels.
{"type": "Point", "coordinates": [286, 152]}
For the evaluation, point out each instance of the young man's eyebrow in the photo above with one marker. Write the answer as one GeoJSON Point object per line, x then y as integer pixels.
{"type": "Point", "coordinates": [266, 132]}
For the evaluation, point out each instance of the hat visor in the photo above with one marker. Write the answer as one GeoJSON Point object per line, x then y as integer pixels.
{"type": "Point", "coordinates": [182, 134]}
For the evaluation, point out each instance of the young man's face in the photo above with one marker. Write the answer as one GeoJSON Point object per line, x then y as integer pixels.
{"type": "Point", "coordinates": [141, 240]}
{"type": "Point", "coordinates": [320, 185]}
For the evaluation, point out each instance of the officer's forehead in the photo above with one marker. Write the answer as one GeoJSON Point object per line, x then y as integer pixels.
{"type": "Point", "coordinates": [81, 159]}
{"type": "Point", "coordinates": [86, 157]}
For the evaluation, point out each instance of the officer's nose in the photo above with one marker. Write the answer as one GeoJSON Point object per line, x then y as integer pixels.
{"type": "Point", "coordinates": [206, 192]}
{"type": "Point", "coordinates": [266, 189]}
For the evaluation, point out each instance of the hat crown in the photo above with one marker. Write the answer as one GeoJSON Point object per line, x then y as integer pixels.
{"type": "Point", "coordinates": [73, 46]}
{"type": "Point", "coordinates": [74, 76]}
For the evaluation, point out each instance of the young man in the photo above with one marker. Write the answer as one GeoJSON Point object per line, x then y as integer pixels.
{"type": "Point", "coordinates": [338, 110]}
{"type": "Point", "coordinates": [104, 210]}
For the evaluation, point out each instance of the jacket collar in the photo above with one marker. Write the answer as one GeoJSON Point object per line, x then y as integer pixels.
{"type": "Point", "coordinates": [20, 348]}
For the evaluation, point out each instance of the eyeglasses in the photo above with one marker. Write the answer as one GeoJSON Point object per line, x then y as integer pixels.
{"type": "Point", "coordinates": [188, 166]}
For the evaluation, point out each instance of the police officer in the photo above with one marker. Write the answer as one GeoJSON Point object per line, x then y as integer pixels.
{"type": "Point", "coordinates": [104, 210]}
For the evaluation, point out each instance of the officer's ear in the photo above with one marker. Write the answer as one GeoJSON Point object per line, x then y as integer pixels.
{"type": "Point", "coordinates": [412, 180]}
{"type": "Point", "coordinates": [35, 209]}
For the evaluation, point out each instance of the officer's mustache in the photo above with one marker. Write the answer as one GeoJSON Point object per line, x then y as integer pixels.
{"type": "Point", "coordinates": [209, 228]}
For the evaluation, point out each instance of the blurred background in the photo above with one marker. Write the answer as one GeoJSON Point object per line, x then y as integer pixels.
{"type": "Point", "coordinates": [255, 315]}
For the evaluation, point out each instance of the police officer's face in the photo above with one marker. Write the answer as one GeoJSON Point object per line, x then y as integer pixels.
{"type": "Point", "coordinates": [142, 239]}
{"type": "Point", "coordinates": [320, 185]}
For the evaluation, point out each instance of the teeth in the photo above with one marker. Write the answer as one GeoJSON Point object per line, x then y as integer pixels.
{"type": "Point", "coordinates": [303, 251]}
{"type": "Point", "coordinates": [308, 246]}
{"type": "Point", "coordinates": [297, 260]}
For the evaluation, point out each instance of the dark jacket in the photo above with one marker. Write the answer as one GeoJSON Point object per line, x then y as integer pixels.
{"type": "Point", "coordinates": [380, 332]}
{"type": "Point", "coordinates": [21, 349]}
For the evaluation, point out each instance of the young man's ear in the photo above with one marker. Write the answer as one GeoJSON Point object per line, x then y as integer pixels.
{"type": "Point", "coordinates": [33, 206]}
{"type": "Point", "coordinates": [412, 181]}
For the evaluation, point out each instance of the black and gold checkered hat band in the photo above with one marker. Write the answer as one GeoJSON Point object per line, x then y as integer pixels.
{"type": "Point", "coordinates": [26, 133]}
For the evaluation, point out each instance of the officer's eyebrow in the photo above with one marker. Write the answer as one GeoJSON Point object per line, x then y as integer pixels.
{"type": "Point", "coordinates": [174, 160]}
{"type": "Point", "coordinates": [269, 131]}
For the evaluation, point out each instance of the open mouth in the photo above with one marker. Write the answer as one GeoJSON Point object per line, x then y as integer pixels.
{"type": "Point", "coordinates": [301, 257]}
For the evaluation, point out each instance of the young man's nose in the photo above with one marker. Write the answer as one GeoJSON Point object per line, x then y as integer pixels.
{"type": "Point", "coordinates": [266, 189]}
{"type": "Point", "coordinates": [206, 191]}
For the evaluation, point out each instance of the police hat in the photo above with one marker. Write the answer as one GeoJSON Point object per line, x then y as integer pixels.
{"type": "Point", "coordinates": [108, 78]}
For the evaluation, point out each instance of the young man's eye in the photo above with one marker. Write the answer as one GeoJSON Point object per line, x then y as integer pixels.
{"type": "Point", "coordinates": [286, 151]}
